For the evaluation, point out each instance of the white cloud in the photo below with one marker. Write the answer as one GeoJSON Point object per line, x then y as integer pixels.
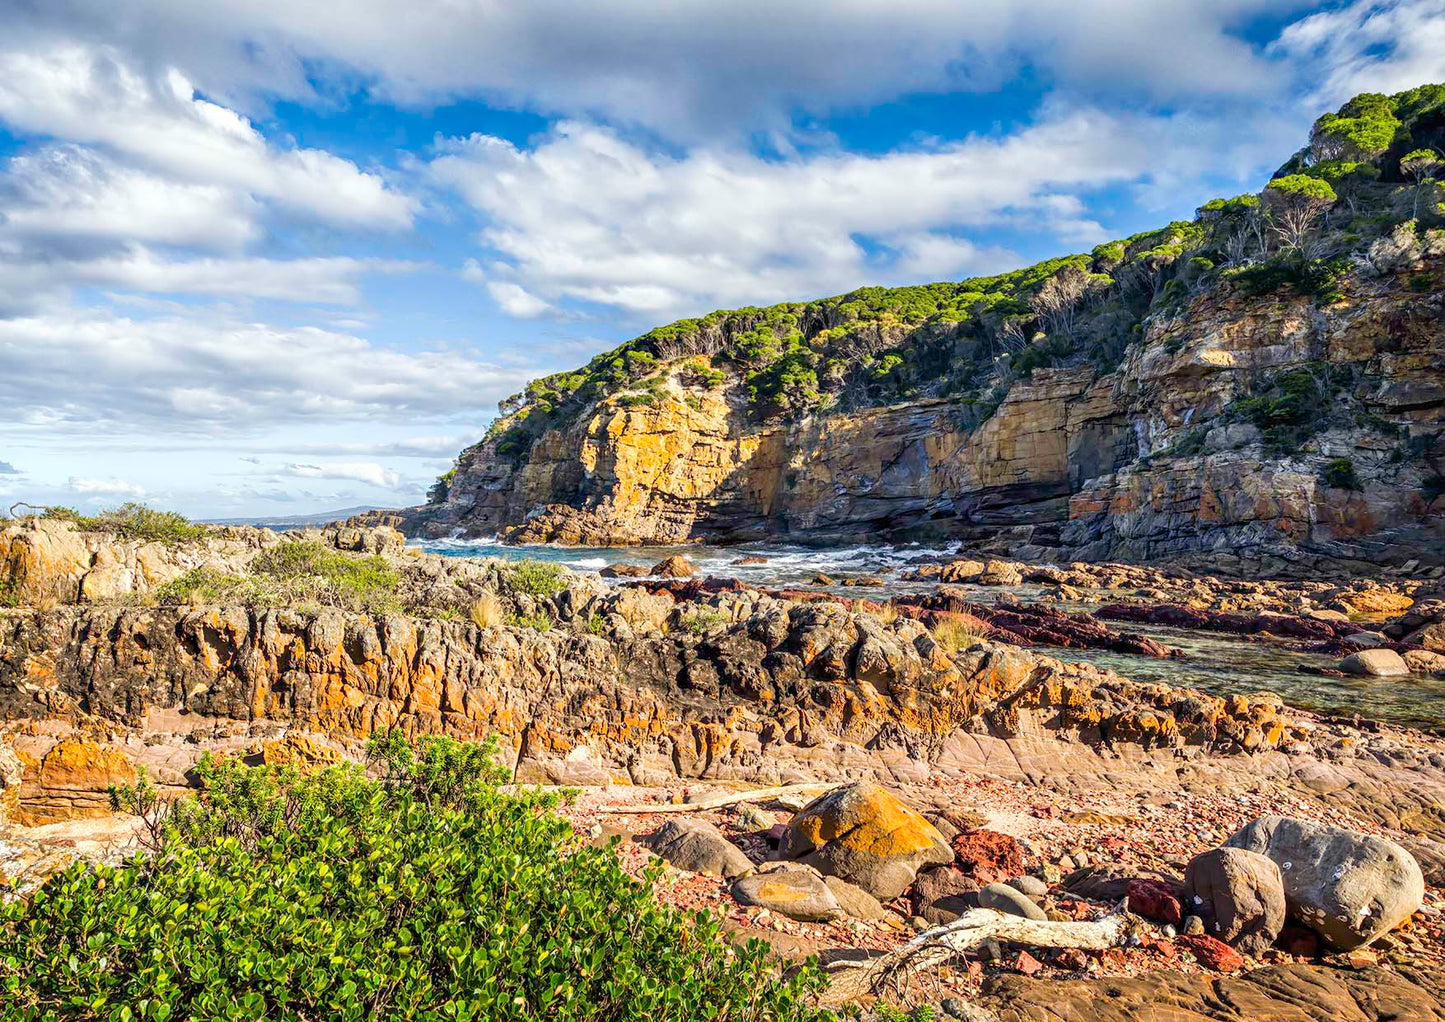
{"type": "Point", "coordinates": [368, 472]}
{"type": "Point", "coordinates": [92, 371]}
{"type": "Point", "coordinates": [93, 95]}
{"type": "Point", "coordinates": [587, 215]}
{"type": "Point", "coordinates": [26, 285]}
{"type": "Point", "coordinates": [1367, 46]}
{"type": "Point", "coordinates": [7, 469]}
{"type": "Point", "coordinates": [104, 487]}
{"type": "Point", "coordinates": [67, 191]}
{"type": "Point", "coordinates": [688, 70]}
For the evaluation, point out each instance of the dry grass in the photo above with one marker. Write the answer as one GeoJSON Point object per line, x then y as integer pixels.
{"type": "Point", "coordinates": [486, 611]}
{"type": "Point", "coordinates": [955, 634]}
{"type": "Point", "coordinates": [886, 613]}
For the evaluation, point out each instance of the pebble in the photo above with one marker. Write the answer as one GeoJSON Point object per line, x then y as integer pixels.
{"type": "Point", "coordinates": [1006, 899]}
{"type": "Point", "coordinates": [1031, 886]}
{"type": "Point", "coordinates": [1193, 925]}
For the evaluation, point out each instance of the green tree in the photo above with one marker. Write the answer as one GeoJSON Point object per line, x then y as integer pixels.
{"type": "Point", "coordinates": [1295, 203]}
{"type": "Point", "coordinates": [1423, 167]}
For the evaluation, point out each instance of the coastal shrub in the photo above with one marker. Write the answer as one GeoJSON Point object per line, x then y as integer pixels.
{"type": "Point", "coordinates": [426, 894]}
{"type": "Point", "coordinates": [701, 621]}
{"type": "Point", "coordinates": [536, 578]}
{"type": "Point", "coordinates": [541, 621]}
{"type": "Point", "coordinates": [1340, 474]}
{"type": "Point", "coordinates": [291, 574]}
{"type": "Point", "coordinates": [135, 522]}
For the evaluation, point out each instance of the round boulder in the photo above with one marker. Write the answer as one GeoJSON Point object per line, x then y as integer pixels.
{"type": "Point", "coordinates": [1004, 898]}
{"type": "Point", "coordinates": [1240, 894]}
{"type": "Point", "coordinates": [1349, 887]}
{"type": "Point", "coordinates": [864, 834]}
{"type": "Point", "coordinates": [699, 847]}
{"type": "Point", "coordinates": [676, 566]}
{"type": "Point", "coordinates": [1375, 663]}
{"type": "Point", "coordinates": [791, 889]}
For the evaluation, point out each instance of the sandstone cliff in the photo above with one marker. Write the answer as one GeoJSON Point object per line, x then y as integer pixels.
{"type": "Point", "coordinates": [1201, 393]}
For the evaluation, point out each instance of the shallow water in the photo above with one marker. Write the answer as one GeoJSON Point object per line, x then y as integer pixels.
{"type": "Point", "coordinates": [1218, 663]}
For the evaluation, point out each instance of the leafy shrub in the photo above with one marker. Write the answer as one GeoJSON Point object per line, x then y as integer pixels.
{"type": "Point", "coordinates": [136, 522]}
{"type": "Point", "coordinates": [1290, 409]}
{"type": "Point", "coordinates": [1340, 474]}
{"type": "Point", "coordinates": [291, 574]}
{"type": "Point", "coordinates": [541, 621]}
{"type": "Point", "coordinates": [427, 894]}
{"type": "Point", "coordinates": [596, 624]}
{"type": "Point", "coordinates": [536, 578]}
{"type": "Point", "coordinates": [702, 620]}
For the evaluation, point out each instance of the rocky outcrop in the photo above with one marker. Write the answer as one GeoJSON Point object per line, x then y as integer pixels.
{"type": "Point", "coordinates": [48, 561]}
{"type": "Point", "coordinates": [1154, 461]}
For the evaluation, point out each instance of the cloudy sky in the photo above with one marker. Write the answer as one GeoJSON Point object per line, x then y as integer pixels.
{"type": "Point", "coordinates": [277, 256]}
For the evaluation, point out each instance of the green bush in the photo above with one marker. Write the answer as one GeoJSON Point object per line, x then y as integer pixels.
{"type": "Point", "coordinates": [541, 621]}
{"type": "Point", "coordinates": [700, 622]}
{"type": "Point", "coordinates": [290, 574]}
{"type": "Point", "coordinates": [1340, 474]}
{"type": "Point", "coordinates": [134, 521]}
{"type": "Point", "coordinates": [425, 895]}
{"type": "Point", "coordinates": [536, 578]}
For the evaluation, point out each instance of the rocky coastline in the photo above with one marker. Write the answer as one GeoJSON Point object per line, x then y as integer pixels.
{"type": "Point", "coordinates": [1076, 785]}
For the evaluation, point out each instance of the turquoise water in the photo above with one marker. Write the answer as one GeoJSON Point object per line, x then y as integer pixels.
{"type": "Point", "coordinates": [1217, 663]}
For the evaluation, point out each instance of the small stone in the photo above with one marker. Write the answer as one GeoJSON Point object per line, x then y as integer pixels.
{"type": "Point", "coordinates": [918, 923]}
{"type": "Point", "coordinates": [1029, 885]}
{"type": "Point", "coordinates": [1211, 953]}
{"type": "Point", "coordinates": [989, 950]}
{"type": "Point", "coordinates": [1193, 925]}
{"type": "Point", "coordinates": [1028, 964]}
{"type": "Point", "coordinates": [988, 855]}
{"type": "Point", "coordinates": [1153, 899]}
{"type": "Point", "coordinates": [1004, 898]}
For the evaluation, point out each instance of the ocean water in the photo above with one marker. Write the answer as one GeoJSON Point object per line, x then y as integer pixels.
{"type": "Point", "coordinates": [1217, 663]}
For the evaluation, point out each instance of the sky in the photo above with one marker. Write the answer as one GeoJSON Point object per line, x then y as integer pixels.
{"type": "Point", "coordinates": [271, 257]}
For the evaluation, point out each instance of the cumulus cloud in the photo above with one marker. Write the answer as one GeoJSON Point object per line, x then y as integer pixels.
{"type": "Point", "coordinates": [92, 94]}
{"type": "Point", "coordinates": [369, 472]}
{"type": "Point", "coordinates": [688, 70]}
{"type": "Point", "coordinates": [7, 469]}
{"type": "Point", "coordinates": [104, 487]}
{"type": "Point", "coordinates": [589, 216]}
{"type": "Point", "coordinates": [1366, 46]}
{"type": "Point", "coordinates": [98, 371]}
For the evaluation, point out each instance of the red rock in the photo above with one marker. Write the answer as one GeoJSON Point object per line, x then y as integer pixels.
{"type": "Point", "coordinates": [1028, 964]}
{"type": "Point", "coordinates": [1071, 959]}
{"type": "Point", "coordinates": [1154, 900]}
{"type": "Point", "coordinates": [988, 855]}
{"type": "Point", "coordinates": [1212, 953]}
{"type": "Point", "coordinates": [1299, 940]}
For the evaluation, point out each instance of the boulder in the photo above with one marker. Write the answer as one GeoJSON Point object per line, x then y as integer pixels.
{"type": "Point", "coordinates": [988, 855]}
{"type": "Point", "coordinates": [1350, 887]}
{"type": "Point", "coordinates": [1154, 899]}
{"type": "Point", "coordinates": [675, 566]}
{"type": "Point", "coordinates": [961, 571]}
{"type": "Point", "coordinates": [1375, 663]}
{"type": "Point", "coordinates": [790, 888]}
{"type": "Point", "coordinates": [864, 834]}
{"type": "Point", "coordinates": [1211, 952]}
{"type": "Point", "coordinates": [1000, 573]}
{"type": "Point", "coordinates": [942, 895]}
{"type": "Point", "coordinates": [699, 847]}
{"type": "Point", "coordinates": [1423, 661]}
{"type": "Point", "coordinates": [624, 571]}
{"type": "Point", "coordinates": [1004, 898]}
{"type": "Point", "coordinates": [855, 901]}
{"type": "Point", "coordinates": [1240, 894]}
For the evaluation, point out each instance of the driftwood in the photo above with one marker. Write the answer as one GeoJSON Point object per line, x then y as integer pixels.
{"type": "Point", "coordinates": [715, 801]}
{"type": "Point", "coordinates": [931, 948]}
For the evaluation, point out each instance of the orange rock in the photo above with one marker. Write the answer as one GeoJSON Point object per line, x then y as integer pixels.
{"type": "Point", "coordinates": [78, 764]}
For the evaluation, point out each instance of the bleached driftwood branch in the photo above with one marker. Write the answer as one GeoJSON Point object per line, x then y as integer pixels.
{"type": "Point", "coordinates": [931, 948]}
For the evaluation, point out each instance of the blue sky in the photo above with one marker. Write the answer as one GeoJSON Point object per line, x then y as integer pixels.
{"type": "Point", "coordinates": [273, 256]}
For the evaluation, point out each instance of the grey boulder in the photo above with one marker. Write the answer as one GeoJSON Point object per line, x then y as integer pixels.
{"type": "Point", "coordinates": [1240, 893]}
{"type": "Point", "coordinates": [1347, 886]}
{"type": "Point", "coordinates": [698, 846]}
{"type": "Point", "coordinates": [1004, 898]}
{"type": "Point", "coordinates": [790, 889]}
{"type": "Point", "coordinates": [1375, 663]}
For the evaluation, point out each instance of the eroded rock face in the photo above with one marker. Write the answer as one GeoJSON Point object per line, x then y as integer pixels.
{"type": "Point", "coordinates": [1349, 887]}
{"type": "Point", "coordinates": [864, 834]}
{"type": "Point", "coordinates": [1150, 462]}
